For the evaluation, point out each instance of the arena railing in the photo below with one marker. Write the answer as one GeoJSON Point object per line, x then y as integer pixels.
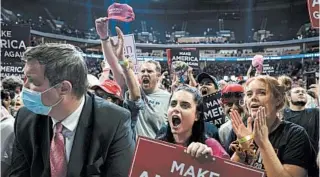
{"type": "Point", "coordinates": [165, 46]}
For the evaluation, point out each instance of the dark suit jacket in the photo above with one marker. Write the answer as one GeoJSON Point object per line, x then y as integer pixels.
{"type": "Point", "coordinates": [102, 146]}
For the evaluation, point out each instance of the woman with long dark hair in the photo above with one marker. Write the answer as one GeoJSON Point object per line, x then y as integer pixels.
{"type": "Point", "coordinates": [186, 124]}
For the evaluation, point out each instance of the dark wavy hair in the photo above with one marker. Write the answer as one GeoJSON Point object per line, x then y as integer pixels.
{"type": "Point", "coordinates": [198, 128]}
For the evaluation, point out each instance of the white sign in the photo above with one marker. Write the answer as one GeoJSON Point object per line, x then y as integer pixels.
{"type": "Point", "coordinates": [129, 48]}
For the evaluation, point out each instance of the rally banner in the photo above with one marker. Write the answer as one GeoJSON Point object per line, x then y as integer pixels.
{"type": "Point", "coordinates": [149, 161]}
{"type": "Point", "coordinates": [14, 41]}
{"type": "Point", "coordinates": [12, 69]}
{"type": "Point", "coordinates": [313, 7]}
{"type": "Point", "coordinates": [189, 56]}
{"type": "Point", "coordinates": [212, 109]}
{"type": "Point", "coordinates": [129, 48]}
{"type": "Point", "coordinates": [268, 69]}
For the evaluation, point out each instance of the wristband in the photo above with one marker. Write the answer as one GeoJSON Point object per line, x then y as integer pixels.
{"type": "Point", "coordinates": [105, 39]}
{"type": "Point", "coordinates": [245, 139]}
{"type": "Point", "coordinates": [124, 63]}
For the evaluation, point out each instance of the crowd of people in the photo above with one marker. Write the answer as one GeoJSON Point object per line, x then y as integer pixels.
{"type": "Point", "coordinates": [237, 69]}
{"type": "Point", "coordinates": [221, 69]}
{"type": "Point", "coordinates": [62, 121]}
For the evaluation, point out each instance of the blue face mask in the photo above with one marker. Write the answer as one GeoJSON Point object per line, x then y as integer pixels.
{"type": "Point", "coordinates": [32, 100]}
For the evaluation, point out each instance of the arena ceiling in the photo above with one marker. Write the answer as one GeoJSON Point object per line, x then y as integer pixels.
{"type": "Point", "coordinates": [206, 4]}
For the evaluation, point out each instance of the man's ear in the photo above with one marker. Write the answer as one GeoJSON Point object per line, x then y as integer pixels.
{"type": "Point", "coordinates": [288, 97]}
{"type": "Point", "coordinates": [65, 87]}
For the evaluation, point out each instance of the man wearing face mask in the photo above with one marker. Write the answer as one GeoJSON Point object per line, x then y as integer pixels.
{"type": "Point", "coordinates": [213, 112]}
{"type": "Point", "coordinates": [232, 99]}
{"type": "Point", "coordinates": [62, 131]}
{"type": "Point", "coordinates": [308, 118]}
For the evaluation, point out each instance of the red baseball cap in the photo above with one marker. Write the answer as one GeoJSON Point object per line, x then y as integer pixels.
{"type": "Point", "coordinates": [110, 87]}
{"type": "Point", "coordinates": [233, 88]}
{"type": "Point", "coordinates": [122, 12]}
{"type": "Point", "coordinates": [232, 92]}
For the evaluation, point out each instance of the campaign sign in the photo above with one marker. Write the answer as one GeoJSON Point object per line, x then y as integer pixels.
{"type": "Point", "coordinates": [212, 109]}
{"type": "Point", "coordinates": [314, 14]}
{"type": "Point", "coordinates": [12, 69]}
{"type": "Point", "coordinates": [14, 41]}
{"type": "Point", "coordinates": [129, 48]}
{"type": "Point", "coordinates": [155, 158]}
{"type": "Point", "coordinates": [268, 69]}
{"type": "Point", "coordinates": [189, 56]}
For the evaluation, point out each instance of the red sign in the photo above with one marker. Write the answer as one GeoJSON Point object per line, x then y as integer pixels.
{"type": "Point", "coordinates": [160, 159]}
{"type": "Point", "coordinates": [313, 6]}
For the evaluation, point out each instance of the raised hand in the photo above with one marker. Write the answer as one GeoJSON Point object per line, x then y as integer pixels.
{"type": "Point", "coordinates": [238, 126]}
{"type": "Point", "coordinates": [118, 47]}
{"type": "Point", "coordinates": [102, 27]}
{"type": "Point", "coordinates": [190, 69]}
{"type": "Point", "coordinates": [175, 82]}
{"type": "Point", "coordinates": [260, 128]}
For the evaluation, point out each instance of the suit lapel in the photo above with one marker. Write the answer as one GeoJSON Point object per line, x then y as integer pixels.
{"type": "Point", "coordinates": [46, 133]}
{"type": "Point", "coordinates": [81, 142]}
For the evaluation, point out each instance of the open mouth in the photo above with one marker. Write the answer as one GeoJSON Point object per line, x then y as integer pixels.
{"type": "Point", "coordinates": [204, 91]}
{"type": "Point", "coordinates": [254, 106]}
{"type": "Point", "coordinates": [145, 81]}
{"type": "Point", "coordinates": [176, 121]}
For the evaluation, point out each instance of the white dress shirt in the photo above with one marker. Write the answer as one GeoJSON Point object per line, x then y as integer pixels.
{"type": "Point", "coordinates": [69, 128]}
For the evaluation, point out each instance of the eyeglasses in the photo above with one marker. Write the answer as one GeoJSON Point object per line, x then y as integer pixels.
{"type": "Point", "coordinates": [106, 96]}
{"type": "Point", "coordinates": [231, 98]}
{"type": "Point", "coordinates": [230, 103]}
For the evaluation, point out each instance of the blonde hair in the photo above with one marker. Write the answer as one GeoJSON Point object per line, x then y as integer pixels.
{"type": "Point", "coordinates": [286, 82]}
{"type": "Point", "coordinates": [277, 90]}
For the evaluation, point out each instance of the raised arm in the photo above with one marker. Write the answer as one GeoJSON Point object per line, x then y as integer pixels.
{"type": "Point", "coordinates": [127, 68]}
{"type": "Point", "coordinates": [110, 50]}
{"type": "Point", "coordinates": [192, 80]}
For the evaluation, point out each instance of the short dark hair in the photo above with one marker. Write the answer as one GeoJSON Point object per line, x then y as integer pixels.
{"type": "Point", "coordinates": [62, 62]}
{"type": "Point", "coordinates": [11, 83]}
{"type": "Point", "coordinates": [5, 95]}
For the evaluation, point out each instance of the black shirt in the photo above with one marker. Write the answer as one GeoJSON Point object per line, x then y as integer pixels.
{"type": "Point", "coordinates": [309, 120]}
{"type": "Point", "coordinates": [291, 144]}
